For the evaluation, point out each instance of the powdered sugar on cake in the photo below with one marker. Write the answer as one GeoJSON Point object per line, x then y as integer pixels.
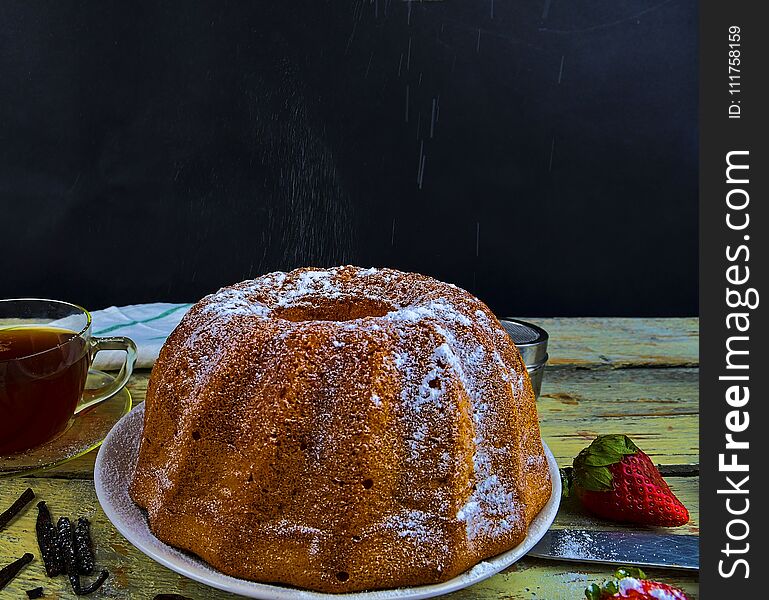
{"type": "Point", "coordinates": [418, 364]}
{"type": "Point", "coordinates": [491, 507]}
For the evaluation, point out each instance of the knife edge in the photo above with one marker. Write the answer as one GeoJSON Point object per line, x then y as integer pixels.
{"type": "Point", "coordinates": [645, 549]}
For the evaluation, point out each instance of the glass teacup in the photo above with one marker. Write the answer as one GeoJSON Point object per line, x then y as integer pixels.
{"type": "Point", "coordinates": [46, 349]}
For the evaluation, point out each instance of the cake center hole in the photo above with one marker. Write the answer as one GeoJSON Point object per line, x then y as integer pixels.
{"type": "Point", "coordinates": [334, 309]}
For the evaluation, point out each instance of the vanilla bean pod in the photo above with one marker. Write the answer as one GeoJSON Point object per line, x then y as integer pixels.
{"type": "Point", "coordinates": [83, 547]}
{"type": "Point", "coordinates": [67, 552]}
{"type": "Point", "coordinates": [26, 497]}
{"type": "Point", "coordinates": [67, 549]}
{"type": "Point", "coordinates": [90, 589]}
{"type": "Point", "coordinates": [47, 540]}
{"type": "Point", "coordinates": [9, 572]}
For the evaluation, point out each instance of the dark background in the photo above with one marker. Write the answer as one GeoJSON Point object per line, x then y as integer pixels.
{"type": "Point", "coordinates": [541, 154]}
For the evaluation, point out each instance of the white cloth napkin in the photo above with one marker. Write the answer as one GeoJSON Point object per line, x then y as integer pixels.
{"type": "Point", "coordinates": [148, 325]}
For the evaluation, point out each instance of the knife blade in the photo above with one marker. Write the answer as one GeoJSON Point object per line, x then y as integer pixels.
{"type": "Point", "coordinates": [641, 549]}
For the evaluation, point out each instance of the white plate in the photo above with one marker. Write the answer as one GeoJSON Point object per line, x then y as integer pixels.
{"type": "Point", "coordinates": [114, 470]}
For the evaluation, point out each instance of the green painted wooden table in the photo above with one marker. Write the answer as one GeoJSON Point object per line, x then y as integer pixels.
{"type": "Point", "coordinates": [635, 376]}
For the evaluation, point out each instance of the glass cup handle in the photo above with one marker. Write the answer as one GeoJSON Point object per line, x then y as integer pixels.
{"type": "Point", "coordinates": [93, 397]}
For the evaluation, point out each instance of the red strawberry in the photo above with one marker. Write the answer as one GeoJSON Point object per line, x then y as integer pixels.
{"type": "Point", "coordinates": [634, 586]}
{"type": "Point", "coordinates": [617, 481]}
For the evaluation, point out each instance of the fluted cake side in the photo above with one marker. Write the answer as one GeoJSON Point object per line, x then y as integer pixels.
{"type": "Point", "coordinates": [341, 430]}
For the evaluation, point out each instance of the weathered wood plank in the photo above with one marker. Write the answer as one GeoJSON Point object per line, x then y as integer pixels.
{"type": "Point", "coordinates": [134, 575]}
{"type": "Point", "coordinates": [666, 440]}
{"type": "Point", "coordinates": [658, 408]}
{"type": "Point", "coordinates": [622, 342]}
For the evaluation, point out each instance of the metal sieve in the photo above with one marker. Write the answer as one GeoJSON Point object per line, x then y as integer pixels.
{"type": "Point", "coordinates": [532, 344]}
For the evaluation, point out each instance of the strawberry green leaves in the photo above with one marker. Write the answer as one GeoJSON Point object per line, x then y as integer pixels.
{"type": "Point", "coordinates": [590, 466]}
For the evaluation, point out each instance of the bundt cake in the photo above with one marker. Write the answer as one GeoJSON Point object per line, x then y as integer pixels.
{"type": "Point", "coordinates": [341, 430]}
